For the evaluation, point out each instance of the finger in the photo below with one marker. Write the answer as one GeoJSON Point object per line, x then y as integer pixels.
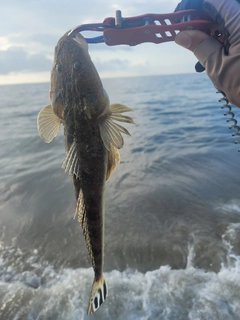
{"type": "Point", "coordinates": [222, 70]}
{"type": "Point", "coordinates": [229, 11]}
{"type": "Point", "coordinates": [190, 39]}
{"type": "Point", "coordinates": [207, 50]}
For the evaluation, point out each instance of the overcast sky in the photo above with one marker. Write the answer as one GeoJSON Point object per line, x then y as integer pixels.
{"type": "Point", "coordinates": [30, 30]}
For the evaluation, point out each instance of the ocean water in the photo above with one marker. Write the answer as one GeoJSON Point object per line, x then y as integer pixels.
{"type": "Point", "coordinates": [172, 224]}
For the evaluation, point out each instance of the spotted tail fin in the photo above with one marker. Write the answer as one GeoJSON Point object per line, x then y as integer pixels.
{"type": "Point", "coordinates": [98, 295]}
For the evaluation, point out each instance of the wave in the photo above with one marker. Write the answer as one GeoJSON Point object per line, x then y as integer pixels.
{"type": "Point", "coordinates": [168, 203]}
{"type": "Point", "coordinates": [32, 289]}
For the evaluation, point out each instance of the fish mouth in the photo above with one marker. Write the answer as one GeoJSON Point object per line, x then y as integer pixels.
{"type": "Point", "coordinates": [78, 38]}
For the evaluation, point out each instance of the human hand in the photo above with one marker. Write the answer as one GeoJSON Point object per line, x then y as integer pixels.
{"type": "Point", "coordinates": [222, 64]}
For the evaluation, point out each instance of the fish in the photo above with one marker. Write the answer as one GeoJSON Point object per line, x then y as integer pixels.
{"type": "Point", "coordinates": [92, 139]}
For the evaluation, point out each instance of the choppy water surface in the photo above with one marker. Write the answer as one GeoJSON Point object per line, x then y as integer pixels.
{"type": "Point", "coordinates": [172, 226]}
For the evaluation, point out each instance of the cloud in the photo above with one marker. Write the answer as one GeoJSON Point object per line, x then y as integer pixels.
{"type": "Point", "coordinates": [58, 16]}
{"type": "Point", "coordinates": [121, 67]}
{"type": "Point", "coordinates": [16, 59]}
{"type": "Point", "coordinates": [117, 50]}
{"type": "Point", "coordinates": [112, 65]}
{"type": "Point", "coordinates": [43, 39]}
{"type": "Point", "coordinates": [30, 31]}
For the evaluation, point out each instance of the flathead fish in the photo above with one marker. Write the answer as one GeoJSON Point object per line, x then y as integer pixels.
{"type": "Point", "coordinates": [92, 139]}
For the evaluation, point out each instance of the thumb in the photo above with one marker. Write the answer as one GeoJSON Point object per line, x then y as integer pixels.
{"type": "Point", "coordinates": [190, 39]}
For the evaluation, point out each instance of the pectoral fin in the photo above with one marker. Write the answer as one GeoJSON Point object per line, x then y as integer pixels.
{"type": "Point", "coordinates": [71, 162]}
{"type": "Point", "coordinates": [120, 108]}
{"type": "Point", "coordinates": [111, 131]}
{"type": "Point", "coordinates": [48, 124]}
{"type": "Point", "coordinates": [113, 158]}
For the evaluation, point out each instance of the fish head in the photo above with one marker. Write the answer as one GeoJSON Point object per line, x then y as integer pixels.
{"type": "Point", "coordinates": [73, 77]}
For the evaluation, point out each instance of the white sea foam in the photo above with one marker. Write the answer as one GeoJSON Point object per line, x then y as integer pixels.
{"type": "Point", "coordinates": [41, 292]}
{"type": "Point", "coordinates": [232, 206]}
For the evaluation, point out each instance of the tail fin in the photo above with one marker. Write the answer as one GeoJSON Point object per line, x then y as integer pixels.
{"type": "Point", "coordinates": [98, 295]}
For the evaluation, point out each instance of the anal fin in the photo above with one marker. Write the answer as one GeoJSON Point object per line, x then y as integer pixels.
{"type": "Point", "coordinates": [98, 295]}
{"type": "Point", "coordinates": [80, 208]}
{"type": "Point", "coordinates": [82, 219]}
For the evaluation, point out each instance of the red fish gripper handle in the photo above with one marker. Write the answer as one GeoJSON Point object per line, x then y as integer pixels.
{"type": "Point", "coordinates": [156, 28]}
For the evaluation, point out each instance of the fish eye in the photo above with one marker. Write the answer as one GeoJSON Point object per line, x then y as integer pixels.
{"type": "Point", "coordinates": [77, 66]}
{"type": "Point", "coordinates": [59, 67]}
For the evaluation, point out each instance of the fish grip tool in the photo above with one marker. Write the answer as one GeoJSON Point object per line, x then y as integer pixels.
{"type": "Point", "coordinates": [155, 28]}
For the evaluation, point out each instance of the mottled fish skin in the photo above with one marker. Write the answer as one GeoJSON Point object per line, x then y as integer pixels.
{"type": "Point", "coordinates": [92, 140]}
{"type": "Point", "coordinates": [78, 94]}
